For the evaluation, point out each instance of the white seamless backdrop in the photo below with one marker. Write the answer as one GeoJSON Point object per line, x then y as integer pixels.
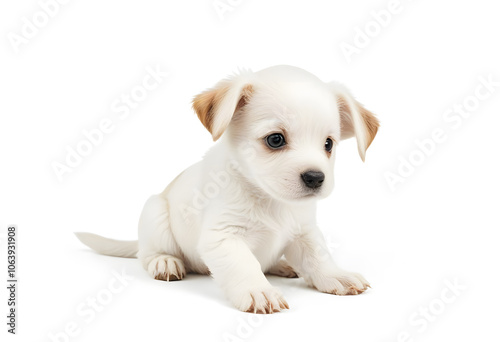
{"type": "Point", "coordinates": [95, 116]}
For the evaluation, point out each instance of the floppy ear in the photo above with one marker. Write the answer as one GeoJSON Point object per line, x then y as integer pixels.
{"type": "Point", "coordinates": [215, 107]}
{"type": "Point", "coordinates": [355, 120]}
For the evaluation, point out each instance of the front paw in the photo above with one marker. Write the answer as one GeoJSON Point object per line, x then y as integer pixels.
{"type": "Point", "coordinates": [259, 300]}
{"type": "Point", "coordinates": [341, 283]}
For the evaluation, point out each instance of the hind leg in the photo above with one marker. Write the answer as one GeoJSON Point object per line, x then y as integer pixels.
{"type": "Point", "coordinates": [159, 253]}
{"type": "Point", "coordinates": [283, 269]}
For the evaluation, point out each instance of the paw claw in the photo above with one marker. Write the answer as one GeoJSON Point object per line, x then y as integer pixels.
{"type": "Point", "coordinates": [265, 301]}
{"type": "Point", "coordinates": [166, 267]}
{"type": "Point", "coordinates": [342, 283]}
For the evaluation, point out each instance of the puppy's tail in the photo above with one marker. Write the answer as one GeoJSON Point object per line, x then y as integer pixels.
{"type": "Point", "coordinates": [102, 245]}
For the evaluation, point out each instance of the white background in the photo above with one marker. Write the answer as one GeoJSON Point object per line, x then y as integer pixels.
{"type": "Point", "coordinates": [440, 225]}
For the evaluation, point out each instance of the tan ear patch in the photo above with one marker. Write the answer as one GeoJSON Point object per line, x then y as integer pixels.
{"type": "Point", "coordinates": [246, 93]}
{"type": "Point", "coordinates": [371, 124]}
{"type": "Point", "coordinates": [215, 107]}
{"type": "Point", "coordinates": [205, 104]}
{"type": "Point", "coordinates": [347, 116]}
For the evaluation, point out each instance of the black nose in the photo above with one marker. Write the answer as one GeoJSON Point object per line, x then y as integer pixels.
{"type": "Point", "coordinates": [313, 179]}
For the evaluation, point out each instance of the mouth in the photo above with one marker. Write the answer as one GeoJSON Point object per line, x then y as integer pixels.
{"type": "Point", "coordinates": [311, 194]}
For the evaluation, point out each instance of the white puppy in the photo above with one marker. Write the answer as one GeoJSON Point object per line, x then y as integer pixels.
{"type": "Point", "coordinates": [252, 199]}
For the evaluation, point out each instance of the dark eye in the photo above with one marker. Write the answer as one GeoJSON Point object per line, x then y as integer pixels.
{"type": "Point", "coordinates": [328, 145]}
{"type": "Point", "coordinates": [275, 141]}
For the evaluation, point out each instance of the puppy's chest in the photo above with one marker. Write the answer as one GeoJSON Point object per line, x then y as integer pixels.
{"type": "Point", "coordinates": [268, 226]}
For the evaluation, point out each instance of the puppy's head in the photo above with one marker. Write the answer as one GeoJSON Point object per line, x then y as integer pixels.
{"type": "Point", "coordinates": [282, 125]}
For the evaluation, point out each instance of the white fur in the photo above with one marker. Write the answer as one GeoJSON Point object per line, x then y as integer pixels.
{"type": "Point", "coordinates": [242, 208]}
